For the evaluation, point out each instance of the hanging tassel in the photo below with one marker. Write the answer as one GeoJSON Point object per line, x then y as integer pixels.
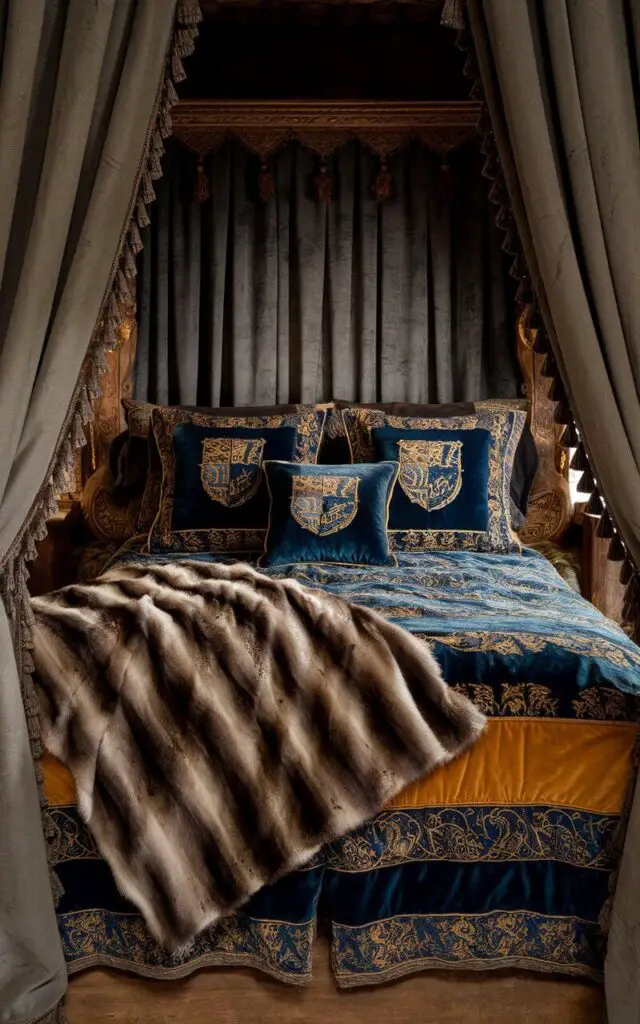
{"type": "Point", "coordinates": [605, 526]}
{"type": "Point", "coordinates": [571, 436]}
{"type": "Point", "coordinates": [202, 190]}
{"type": "Point", "coordinates": [556, 392]}
{"type": "Point", "coordinates": [626, 572]}
{"type": "Point", "coordinates": [563, 412]}
{"type": "Point", "coordinates": [382, 184]}
{"type": "Point", "coordinates": [188, 12]}
{"type": "Point", "coordinates": [616, 550]}
{"type": "Point", "coordinates": [323, 185]}
{"type": "Point", "coordinates": [444, 183]}
{"type": "Point", "coordinates": [594, 505]}
{"type": "Point", "coordinates": [453, 15]}
{"type": "Point", "coordinates": [266, 184]}
{"type": "Point", "coordinates": [586, 483]}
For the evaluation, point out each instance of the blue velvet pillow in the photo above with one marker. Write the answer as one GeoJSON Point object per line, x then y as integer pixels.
{"type": "Point", "coordinates": [467, 519]}
{"type": "Point", "coordinates": [443, 482]}
{"type": "Point", "coordinates": [214, 496]}
{"type": "Point", "coordinates": [329, 513]}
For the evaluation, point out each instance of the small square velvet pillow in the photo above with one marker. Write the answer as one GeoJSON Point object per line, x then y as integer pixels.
{"type": "Point", "coordinates": [329, 513]}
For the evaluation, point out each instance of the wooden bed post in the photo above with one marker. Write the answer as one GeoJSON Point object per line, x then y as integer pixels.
{"type": "Point", "coordinates": [550, 508]}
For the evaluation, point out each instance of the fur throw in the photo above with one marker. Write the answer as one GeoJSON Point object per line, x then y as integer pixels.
{"type": "Point", "coordinates": [222, 726]}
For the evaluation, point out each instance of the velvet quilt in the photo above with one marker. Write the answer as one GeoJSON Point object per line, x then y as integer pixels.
{"type": "Point", "coordinates": [503, 857]}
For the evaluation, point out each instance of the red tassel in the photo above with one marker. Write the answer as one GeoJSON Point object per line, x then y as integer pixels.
{"type": "Point", "coordinates": [266, 184]}
{"type": "Point", "coordinates": [202, 189]}
{"type": "Point", "coordinates": [382, 184]}
{"type": "Point", "coordinates": [323, 186]}
{"type": "Point", "coordinates": [444, 183]}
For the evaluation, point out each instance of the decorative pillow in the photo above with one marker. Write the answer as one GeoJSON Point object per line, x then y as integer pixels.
{"type": "Point", "coordinates": [139, 465]}
{"type": "Point", "coordinates": [335, 447]}
{"type": "Point", "coordinates": [455, 473]}
{"type": "Point", "coordinates": [213, 496]}
{"type": "Point", "coordinates": [329, 513]}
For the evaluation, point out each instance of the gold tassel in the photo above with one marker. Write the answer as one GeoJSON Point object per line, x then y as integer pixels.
{"type": "Point", "coordinates": [202, 190]}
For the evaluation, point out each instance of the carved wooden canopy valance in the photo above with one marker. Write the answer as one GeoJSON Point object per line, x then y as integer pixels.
{"type": "Point", "coordinates": [322, 126]}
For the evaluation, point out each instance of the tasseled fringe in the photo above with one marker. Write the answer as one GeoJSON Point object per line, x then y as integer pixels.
{"type": "Point", "coordinates": [579, 461]}
{"type": "Point", "coordinates": [605, 526]}
{"type": "Point", "coordinates": [266, 184]}
{"type": "Point", "coordinates": [453, 15]}
{"type": "Point", "coordinates": [381, 189]}
{"type": "Point", "coordinates": [616, 550]}
{"type": "Point", "coordinates": [323, 184]}
{"type": "Point", "coordinates": [201, 189]}
{"type": "Point", "coordinates": [60, 478]}
{"type": "Point", "coordinates": [586, 483]}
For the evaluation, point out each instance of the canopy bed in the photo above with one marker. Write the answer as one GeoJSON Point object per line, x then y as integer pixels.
{"type": "Point", "coordinates": [344, 466]}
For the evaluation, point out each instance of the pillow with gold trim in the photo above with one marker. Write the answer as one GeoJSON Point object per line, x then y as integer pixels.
{"type": "Point", "coordinates": [329, 513]}
{"type": "Point", "coordinates": [454, 479]}
{"type": "Point", "coordinates": [214, 496]}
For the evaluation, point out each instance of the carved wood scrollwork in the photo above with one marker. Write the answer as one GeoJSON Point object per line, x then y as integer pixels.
{"type": "Point", "coordinates": [550, 508]}
{"type": "Point", "coordinates": [323, 125]}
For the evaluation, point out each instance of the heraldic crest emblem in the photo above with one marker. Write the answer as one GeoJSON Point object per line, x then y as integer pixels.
{"type": "Point", "coordinates": [430, 472]}
{"type": "Point", "coordinates": [324, 504]}
{"type": "Point", "coordinates": [231, 468]}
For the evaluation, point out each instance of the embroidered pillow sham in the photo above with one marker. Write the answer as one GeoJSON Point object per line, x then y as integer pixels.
{"type": "Point", "coordinates": [454, 478]}
{"type": "Point", "coordinates": [329, 513]}
{"type": "Point", "coordinates": [335, 447]}
{"type": "Point", "coordinates": [213, 495]}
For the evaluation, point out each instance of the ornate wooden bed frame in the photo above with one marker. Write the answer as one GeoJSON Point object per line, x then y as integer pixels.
{"type": "Point", "coordinates": [323, 126]}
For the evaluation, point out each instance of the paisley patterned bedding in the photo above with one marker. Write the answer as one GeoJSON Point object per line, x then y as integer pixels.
{"type": "Point", "coordinates": [503, 857]}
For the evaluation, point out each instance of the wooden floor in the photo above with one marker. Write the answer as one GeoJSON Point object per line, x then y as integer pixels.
{"type": "Point", "coordinates": [245, 997]}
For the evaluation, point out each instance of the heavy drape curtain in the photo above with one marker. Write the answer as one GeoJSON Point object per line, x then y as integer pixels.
{"type": "Point", "coordinates": [78, 88]}
{"type": "Point", "coordinates": [291, 300]}
{"type": "Point", "coordinates": [561, 81]}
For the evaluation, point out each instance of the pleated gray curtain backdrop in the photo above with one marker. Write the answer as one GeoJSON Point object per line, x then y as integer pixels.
{"type": "Point", "coordinates": [247, 302]}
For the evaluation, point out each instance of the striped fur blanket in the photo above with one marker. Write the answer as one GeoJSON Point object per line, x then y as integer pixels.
{"type": "Point", "coordinates": [222, 726]}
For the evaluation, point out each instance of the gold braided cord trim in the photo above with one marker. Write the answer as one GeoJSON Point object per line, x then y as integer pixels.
{"type": "Point", "coordinates": [60, 476]}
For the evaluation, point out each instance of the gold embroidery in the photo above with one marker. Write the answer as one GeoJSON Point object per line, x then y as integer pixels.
{"type": "Point", "coordinates": [430, 472]}
{"type": "Point", "coordinates": [504, 428]}
{"type": "Point", "coordinates": [100, 937]}
{"type": "Point", "coordinates": [516, 699]}
{"type": "Point", "coordinates": [363, 953]}
{"type": "Point", "coordinates": [604, 702]}
{"type": "Point", "coordinates": [231, 469]}
{"type": "Point", "coordinates": [308, 426]}
{"type": "Point", "coordinates": [474, 835]}
{"type": "Point", "coordinates": [324, 504]}
{"type": "Point", "coordinates": [522, 643]}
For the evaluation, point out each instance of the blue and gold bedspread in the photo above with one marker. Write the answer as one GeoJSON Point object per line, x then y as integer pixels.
{"type": "Point", "coordinates": [503, 857]}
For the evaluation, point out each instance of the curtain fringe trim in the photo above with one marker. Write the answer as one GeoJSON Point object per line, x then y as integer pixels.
{"type": "Point", "coordinates": [61, 476]}
{"type": "Point", "coordinates": [571, 437]}
{"type": "Point", "coordinates": [527, 301]}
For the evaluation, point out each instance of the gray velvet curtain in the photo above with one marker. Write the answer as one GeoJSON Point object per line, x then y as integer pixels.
{"type": "Point", "coordinates": [79, 83]}
{"type": "Point", "coordinates": [561, 81]}
{"type": "Point", "coordinates": [244, 302]}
